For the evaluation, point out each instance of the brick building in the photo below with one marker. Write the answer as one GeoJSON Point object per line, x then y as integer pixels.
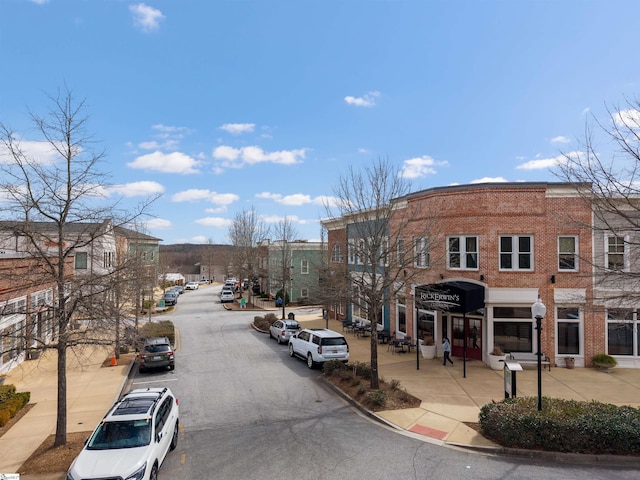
{"type": "Point", "coordinates": [477, 257]}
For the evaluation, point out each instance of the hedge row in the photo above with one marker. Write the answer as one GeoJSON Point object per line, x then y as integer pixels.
{"type": "Point", "coordinates": [11, 402]}
{"type": "Point", "coordinates": [562, 426]}
{"type": "Point", "coordinates": [164, 328]}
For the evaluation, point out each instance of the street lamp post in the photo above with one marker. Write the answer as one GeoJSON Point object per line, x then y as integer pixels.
{"type": "Point", "coordinates": [538, 310]}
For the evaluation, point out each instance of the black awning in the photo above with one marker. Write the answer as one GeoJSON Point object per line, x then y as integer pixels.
{"type": "Point", "coordinates": [455, 297]}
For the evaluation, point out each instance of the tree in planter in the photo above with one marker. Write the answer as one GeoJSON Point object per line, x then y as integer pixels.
{"type": "Point", "coordinates": [54, 208]}
{"type": "Point", "coordinates": [372, 204]}
{"type": "Point", "coordinates": [285, 233]}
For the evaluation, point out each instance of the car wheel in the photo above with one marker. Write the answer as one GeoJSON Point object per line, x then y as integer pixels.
{"type": "Point", "coordinates": [154, 472]}
{"type": "Point", "coordinates": [291, 353]}
{"type": "Point", "coordinates": [172, 367]}
{"type": "Point", "coordinates": [278, 339]}
{"type": "Point", "coordinates": [270, 336]}
{"type": "Point", "coordinates": [174, 439]}
{"type": "Point", "coordinates": [310, 362]}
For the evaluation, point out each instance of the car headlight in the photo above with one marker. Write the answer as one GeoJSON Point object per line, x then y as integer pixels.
{"type": "Point", "coordinates": [138, 474]}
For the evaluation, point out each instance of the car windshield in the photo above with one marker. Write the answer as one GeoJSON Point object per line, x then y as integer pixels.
{"type": "Point", "coordinates": [334, 341]}
{"type": "Point", "coordinates": [293, 326]}
{"type": "Point", "coordinates": [114, 435]}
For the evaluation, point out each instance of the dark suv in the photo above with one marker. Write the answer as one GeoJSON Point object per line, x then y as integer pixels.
{"type": "Point", "coordinates": [156, 353]}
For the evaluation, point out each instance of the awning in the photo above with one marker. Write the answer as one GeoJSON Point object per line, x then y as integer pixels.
{"type": "Point", "coordinates": [455, 297]}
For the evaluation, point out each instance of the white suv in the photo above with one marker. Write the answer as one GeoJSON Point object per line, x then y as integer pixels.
{"type": "Point", "coordinates": [132, 439]}
{"type": "Point", "coordinates": [318, 345]}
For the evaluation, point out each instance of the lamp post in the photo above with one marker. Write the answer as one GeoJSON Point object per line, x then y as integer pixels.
{"type": "Point", "coordinates": [538, 310]}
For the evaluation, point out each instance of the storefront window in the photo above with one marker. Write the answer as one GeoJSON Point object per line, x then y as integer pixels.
{"type": "Point", "coordinates": [402, 316]}
{"type": "Point", "coordinates": [568, 330]}
{"type": "Point", "coordinates": [620, 326]}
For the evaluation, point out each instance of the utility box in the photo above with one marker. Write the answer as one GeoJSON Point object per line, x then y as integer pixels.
{"type": "Point", "coordinates": [510, 369]}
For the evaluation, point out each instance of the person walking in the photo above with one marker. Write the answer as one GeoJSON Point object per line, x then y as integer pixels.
{"type": "Point", "coordinates": [446, 346]}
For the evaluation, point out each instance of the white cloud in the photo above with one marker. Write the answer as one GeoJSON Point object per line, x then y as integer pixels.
{"type": "Point", "coordinates": [280, 218]}
{"type": "Point", "coordinates": [545, 163]}
{"type": "Point", "coordinates": [297, 199]}
{"type": "Point", "coordinates": [367, 100]}
{"type": "Point", "coordinates": [40, 152]}
{"type": "Point", "coordinates": [560, 139]}
{"type": "Point", "coordinates": [195, 195]}
{"type": "Point", "coordinates": [490, 180]}
{"type": "Point", "coordinates": [136, 189]}
{"type": "Point", "coordinates": [363, 150]}
{"type": "Point", "coordinates": [158, 224]}
{"type": "Point", "coordinates": [420, 167]}
{"type": "Point", "coordinates": [145, 17]}
{"type": "Point", "coordinates": [175, 162]}
{"type": "Point", "coordinates": [627, 118]}
{"type": "Point", "coordinates": [238, 128]}
{"type": "Point", "coordinates": [231, 157]}
{"type": "Point", "coordinates": [40, 2]}
{"type": "Point", "coordinates": [217, 222]}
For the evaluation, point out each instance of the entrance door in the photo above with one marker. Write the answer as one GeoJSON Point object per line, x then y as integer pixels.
{"type": "Point", "coordinates": [471, 331]}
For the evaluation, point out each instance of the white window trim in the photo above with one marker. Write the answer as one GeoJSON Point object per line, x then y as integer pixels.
{"type": "Point", "coordinates": [304, 266]}
{"type": "Point", "coordinates": [463, 252]}
{"type": "Point", "coordinates": [421, 254]}
{"type": "Point", "coordinates": [514, 254]}
{"type": "Point", "coordinates": [625, 255]}
{"type": "Point", "coordinates": [575, 254]}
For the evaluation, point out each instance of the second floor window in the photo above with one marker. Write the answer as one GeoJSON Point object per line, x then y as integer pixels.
{"type": "Point", "coordinates": [336, 253]}
{"type": "Point", "coordinates": [567, 253]}
{"type": "Point", "coordinates": [81, 260]}
{"type": "Point", "coordinates": [462, 252]}
{"type": "Point", "coordinates": [421, 252]}
{"type": "Point", "coordinates": [304, 266]}
{"type": "Point", "coordinates": [615, 253]}
{"type": "Point", "coordinates": [516, 252]}
{"type": "Point", "coordinates": [400, 250]}
{"type": "Point", "coordinates": [351, 253]}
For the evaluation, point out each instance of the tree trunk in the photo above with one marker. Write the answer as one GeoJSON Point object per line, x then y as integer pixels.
{"type": "Point", "coordinates": [61, 417]}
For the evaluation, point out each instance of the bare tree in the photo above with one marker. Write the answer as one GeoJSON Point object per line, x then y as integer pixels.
{"type": "Point", "coordinates": [55, 205]}
{"type": "Point", "coordinates": [284, 234]}
{"type": "Point", "coordinates": [245, 233]}
{"type": "Point", "coordinates": [333, 285]}
{"type": "Point", "coordinates": [371, 203]}
{"type": "Point", "coordinates": [606, 169]}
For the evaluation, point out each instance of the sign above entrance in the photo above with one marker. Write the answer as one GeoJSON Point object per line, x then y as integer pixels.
{"type": "Point", "coordinates": [455, 297]}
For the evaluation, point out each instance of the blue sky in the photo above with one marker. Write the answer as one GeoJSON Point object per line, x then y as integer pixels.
{"type": "Point", "coordinates": [224, 105]}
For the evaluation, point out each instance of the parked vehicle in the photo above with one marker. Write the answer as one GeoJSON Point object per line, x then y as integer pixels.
{"type": "Point", "coordinates": [156, 353]}
{"type": "Point", "coordinates": [192, 286]}
{"type": "Point", "coordinates": [282, 330]}
{"type": "Point", "coordinates": [170, 297]}
{"type": "Point", "coordinates": [179, 289]}
{"type": "Point", "coordinates": [227, 296]}
{"type": "Point", "coordinates": [133, 438]}
{"type": "Point", "coordinates": [319, 345]}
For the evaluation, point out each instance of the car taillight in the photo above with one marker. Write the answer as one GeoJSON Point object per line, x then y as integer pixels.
{"type": "Point", "coordinates": [283, 332]}
{"type": "Point", "coordinates": [170, 354]}
{"type": "Point", "coordinates": [320, 349]}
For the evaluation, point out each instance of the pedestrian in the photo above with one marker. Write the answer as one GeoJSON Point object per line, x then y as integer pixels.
{"type": "Point", "coordinates": [446, 346]}
{"type": "Point", "coordinates": [474, 336]}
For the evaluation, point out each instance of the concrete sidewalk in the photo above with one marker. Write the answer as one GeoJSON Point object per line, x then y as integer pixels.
{"type": "Point", "coordinates": [449, 400]}
{"type": "Point", "coordinates": [91, 390]}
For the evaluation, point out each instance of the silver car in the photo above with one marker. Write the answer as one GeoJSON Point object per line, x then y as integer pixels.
{"type": "Point", "coordinates": [282, 330]}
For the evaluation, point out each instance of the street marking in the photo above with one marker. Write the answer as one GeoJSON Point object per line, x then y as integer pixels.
{"type": "Point", "coordinates": [183, 458]}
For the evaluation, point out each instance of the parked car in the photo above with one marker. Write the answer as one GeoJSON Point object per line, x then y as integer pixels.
{"type": "Point", "coordinates": [170, 297]}
{"type": "Point", "coordinates": [319, 345]}
{"type": "Point", "coordinates": [282, 330]}
{"type": "Point", "coordinates": [227, 296]}
{"type": "Point", "coordinates": [192, 286]}
{"type": "Point", "coordinates": [133, 438]}
{"type": "Point", "coordinates": [179, 289]}
{"type": "Point", "coordinates": [156, 353]}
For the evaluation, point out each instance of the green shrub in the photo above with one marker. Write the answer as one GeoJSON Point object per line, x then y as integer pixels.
{"type": "Point", "coordinates": [361, 389]}
{"type": "Point", "coordinates": [6, 392]}
{"type": "Point", "coordinates": [271, 317]}
{"type": "Point", "coordinates": [395, 384]}
{"type": "Point", "coordinates": [375, 398]}
{"type": "Point", "coordinates": [4, 417]}
{"type": "Point", "coordinates": [562, 426]}
{"type": "Point", "coordinates": [332, 366]}
{"type": "Point", "coordinates": [603, 360]}
{"type": "Point", "coordinates": [362, 369]}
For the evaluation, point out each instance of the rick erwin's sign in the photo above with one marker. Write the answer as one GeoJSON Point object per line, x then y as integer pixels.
{"type": "Point", "coordinates": [455, 297]}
